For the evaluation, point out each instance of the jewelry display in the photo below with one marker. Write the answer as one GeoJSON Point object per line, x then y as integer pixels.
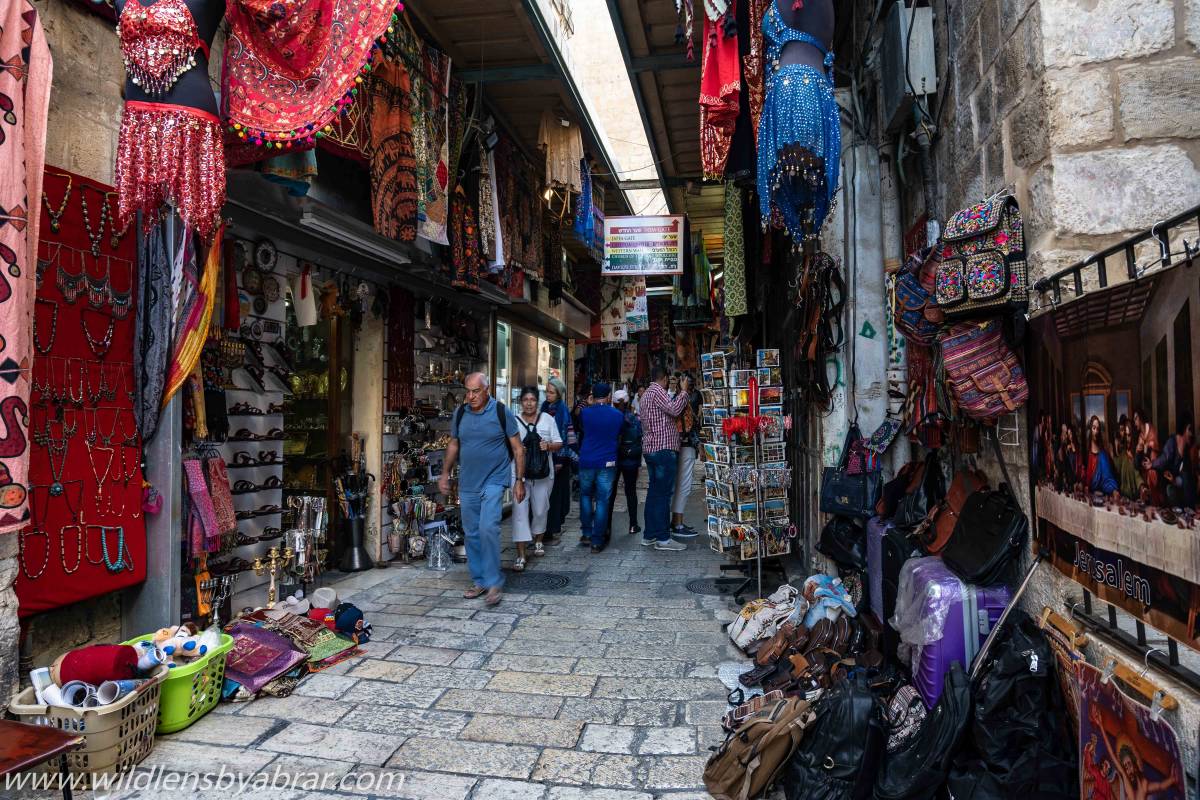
{"type": "Point", "coordinates": [21, 553]}
{"type": "Point", "coordinates": [56, 216]}
{"type": "Point", "coordinates": [62, 547]}
{"type": "Point", "coordinates": [96, 237]}
{"type": "Point", "coordinates": [69, 285]}
{"type": "Point", "coordinates": [99, 348]}
{"type": "Point", "coordinates": [115, 240]}
{"type": "Point", "coordinates": [96, 473]}
{"type": "Point", "coordinates": [123, 560]}
{"type": "Point", "coordinates": [45, 349]}
{"type": "Point", "coordinates": [56, 446]}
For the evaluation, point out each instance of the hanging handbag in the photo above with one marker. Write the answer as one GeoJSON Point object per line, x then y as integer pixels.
{"type": "Point", "coordinates": [843, 540]}
{"type": "Point", "coordinates": [983, 373]}
{"type": "Point", "coordinates": [846, 494]}
{"type": "Point", "coordinates": [935, 533]}
{"type": "Point", "coordinates": [915, 311]}
{"type": "Point", "coordinates": [923, 496]}
{"type": "Point", "coordinates": [988, 538]}
{"type": "Point", "coordinates": [840, 755]}
{"type": "Point", "coordinates": [983, 270]}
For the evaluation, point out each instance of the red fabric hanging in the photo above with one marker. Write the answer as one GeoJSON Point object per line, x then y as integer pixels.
{"type": "Point", "coordinates": [720, 83]}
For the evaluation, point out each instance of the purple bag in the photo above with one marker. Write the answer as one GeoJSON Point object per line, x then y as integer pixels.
{"type": "Point", "coordinates": [876, 530]}
{"type": "Point", "coordinates": [259, 656]}
{"type": "Point", "coordinates": [942, 620]}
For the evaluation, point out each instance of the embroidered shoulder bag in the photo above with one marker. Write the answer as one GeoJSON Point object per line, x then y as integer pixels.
{"type": "Point", "coordinates": [983, 261]}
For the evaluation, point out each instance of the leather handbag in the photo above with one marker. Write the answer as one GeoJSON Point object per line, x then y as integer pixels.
{"type": "Point", "coordinates": [983, 373]}
{"type": "Point", "coordinates": [988, 538]}
{"type": "Point", "coordinates": [924, 495]}
{"type": "Point", "coordinates": [916, 312]}
{"type": "Point", "coordinates": [844, 540]}
{"type": "Point", "coordinates": [843, 493]}
{"type": "Point", "coordinates": [983, 271]}
{"type": "Point", "coordinates": [896, 488]}
{"type": "Point", "coordinates": [935, 534]}
{"type": "Point", "coordinates": [918, 769]}
{"type": "Point", "coordinates": [840, 754]}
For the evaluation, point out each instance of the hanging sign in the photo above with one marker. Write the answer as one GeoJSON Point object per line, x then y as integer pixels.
{"type": "Point", "coordinates": [643, 246]}
{"type": "Point", "coordinates": [612, 312]}
{"type": "Point", "coordinates": [637, 309]}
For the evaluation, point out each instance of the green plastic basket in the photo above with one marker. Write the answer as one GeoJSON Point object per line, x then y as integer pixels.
{"type": "Point", "coordinates": [191, 691]}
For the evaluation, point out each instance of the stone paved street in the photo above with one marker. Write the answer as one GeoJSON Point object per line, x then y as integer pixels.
{"type": "Point", "coordinates": [602, 690]}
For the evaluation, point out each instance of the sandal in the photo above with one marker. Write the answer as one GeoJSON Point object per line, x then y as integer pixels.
{"type": "Point", "coordinates": [244, 410]}
{"type": "Point", "coordinates": [243, 539]}
{"type": "Point", "coordinates": [244, 435]}
{"type": "Point", "coordinates": [474, 592]}
{"type": "Point", "coordinates": [273, 482]}
{"type": "Point", "coordinates": [244, 487]}
{"type": "Point", "coordinates": [270, 534]}
{"type": "Point", "coordinates": [275, 434]}
{"type": "Point", "coordinates": [243, 459]}
{"type": "Point", "coordinates": [519, 565]}
{"type": "Point", "coordinates": [539, 549]}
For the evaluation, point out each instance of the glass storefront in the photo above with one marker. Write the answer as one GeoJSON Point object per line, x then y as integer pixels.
{"type": "Point", "coordinates": [525, 359]}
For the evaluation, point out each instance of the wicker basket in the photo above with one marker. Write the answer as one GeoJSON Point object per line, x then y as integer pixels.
{"type": "Point", "coordinates": [117, 737]}
{"type": "Point", "coordinates": [192, 690]}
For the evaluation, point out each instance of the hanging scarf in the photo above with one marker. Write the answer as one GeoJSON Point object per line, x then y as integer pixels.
{"type": "Point", "coordinates": [584, 222]}
{"type": "Point", "coordinates": [436, 185]}
{"type": "Point", "coordinates": [194, 311]}
{"type": "Point", "coordinates": [152, 332]}
{"type": "Point", "coordinates": [25, 72]}
{"type": "Point", "coordinates": [720, 83]}
{"type": "Point", "coordinates": [753, 65]}
{"type": "Point", "coordinates": [735, 253]}
{"type": "Point", "coordinates": [487, 205]}
{"type": "Point", "coordinates": [393, 160]}
{"type": "Point", "coordinates": [464, 242]}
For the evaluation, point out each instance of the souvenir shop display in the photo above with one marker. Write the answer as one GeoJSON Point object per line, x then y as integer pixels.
{"type": "Point", "coordinates": [87, 530]}
{"type": "Point", "coordinates": [745, 469]}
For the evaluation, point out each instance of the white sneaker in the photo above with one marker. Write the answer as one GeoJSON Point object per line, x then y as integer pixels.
{"type": "Point", "coordinates": [670, 544]}
{"type": "Point", "coordinates": [649, 542]}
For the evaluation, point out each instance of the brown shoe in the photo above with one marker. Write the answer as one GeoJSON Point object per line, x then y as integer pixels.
{"type": "Point", "coordinates": [473, 592]}
{"type": "Point", "coordinates": [494, 596]}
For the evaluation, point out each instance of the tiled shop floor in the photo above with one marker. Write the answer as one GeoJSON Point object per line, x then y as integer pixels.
{"type": "Point", "coordinates": [602, 690]}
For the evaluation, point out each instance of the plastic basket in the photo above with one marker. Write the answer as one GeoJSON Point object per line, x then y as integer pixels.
{"type": "Point", "coordinates": [192, 690]}
{"type": "Point", "coordinates": [117, 737]}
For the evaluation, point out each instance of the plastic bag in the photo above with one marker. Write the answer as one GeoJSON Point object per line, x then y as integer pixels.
{"type": "Point", "coordinates": [924, 600]}
{"type": "Point", "coordinates": [437, 552]}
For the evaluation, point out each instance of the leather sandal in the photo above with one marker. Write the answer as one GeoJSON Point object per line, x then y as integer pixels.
{"type": "Point", "coordinates": [473, 592]}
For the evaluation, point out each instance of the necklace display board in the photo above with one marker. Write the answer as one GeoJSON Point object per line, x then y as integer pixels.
{"type": "Point", "coordinates": [746, 474]}
{"type": "Point", "coordinates": [87, 535]}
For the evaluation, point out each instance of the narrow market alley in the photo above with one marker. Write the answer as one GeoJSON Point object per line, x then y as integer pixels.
{"type": "Point", "coordinates": [602, 689]}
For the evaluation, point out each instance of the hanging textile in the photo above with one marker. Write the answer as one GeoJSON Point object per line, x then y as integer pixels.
{"type": "Point", "coordinates": [720, 84]}
{"type": "Point", "coordinates": [457, 129]}
{"type": "Point", "coordinates": [685, 25]}
{"type": "Point", "coordinates": [25, 73]}
{"type": "Point", "coordinates": [152, 333]}
{"type": "Point", "coordinates": [464, 242]}
{"type": "Point", "coordinates": [584, 221]}
{"type": "Point", "coordinates": [436, 180]}
{"type": "Point", "coordinates": [553, 270]}
{"type": "Point", "coordinates": [752, 65]}
{"type": "Point", "coordinates": [285, 75]}
{"type": "Point", "coordinates": [393, 161]}
{"type": "Point", "coordinates": [735, 253]}
{"type": "Point", "coordinates": [563, 147]}
{"type": "Point", "coordinates": [193, 311]}
{"type": "Point", "coordinates": [487, 206]}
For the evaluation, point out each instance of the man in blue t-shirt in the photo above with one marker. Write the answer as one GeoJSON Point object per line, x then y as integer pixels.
{"type": "Point", "coordinates": [485, 434]}
{"type": "Point", "coordinates": [601, 427]}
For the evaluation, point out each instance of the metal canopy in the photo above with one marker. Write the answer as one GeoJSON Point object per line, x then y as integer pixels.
{"type": "Point", "coordinates": [511, 48]}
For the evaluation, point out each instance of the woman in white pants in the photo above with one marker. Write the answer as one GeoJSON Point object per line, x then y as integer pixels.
{"type": "Point", "coordinates": [689, 444]}
{"type": "Point", "coordinates": [538, 430]}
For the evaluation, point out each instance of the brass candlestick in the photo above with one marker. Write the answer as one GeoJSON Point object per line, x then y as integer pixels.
{"type": "Point", "coordinates": [273, 565]}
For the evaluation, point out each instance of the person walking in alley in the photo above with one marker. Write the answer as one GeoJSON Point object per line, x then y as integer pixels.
{"type": "Point", "coordinates": [539, 434]}
{"type": "Point", "coordinates": [560, 495]}
{"type": "Point", "coordinates": [629, 458]}
{"type": "Point", "coordinates": [485, 434]}
{"type": "Point", "coordinates": [601, 427]}
{"type": "Point", "coordinates": [688, 425]}
{"type": "Point", "coordinates": [660, 443]}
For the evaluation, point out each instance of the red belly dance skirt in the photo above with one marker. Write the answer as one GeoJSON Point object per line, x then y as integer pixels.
{"type": "Point", "coordinates": [170, 154]}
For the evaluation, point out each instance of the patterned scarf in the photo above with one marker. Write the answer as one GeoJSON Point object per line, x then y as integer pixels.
{"type": "Point", "coordinates": [25, 72]}
{"type": "Point", "coordinates": [735, 253]}
{"type": "Point", "coordinates": [393, 160]}
{"type": "Point", "coordinates": [152, 339]}
{"type": "Point", "coordinates": [194, 312]}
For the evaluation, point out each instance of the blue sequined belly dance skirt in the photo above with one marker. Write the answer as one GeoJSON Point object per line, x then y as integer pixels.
{"type": "Point", "coordinates": [800, 123]}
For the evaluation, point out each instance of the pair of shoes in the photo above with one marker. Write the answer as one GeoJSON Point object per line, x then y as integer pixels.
{"type": "Point", "coordinates": [599, 549]}
{"type": "Point", "coordinates": [649, 542]}
{"type": "Point", "coordinates": [635, 528]}
{"type": "Point", "coordinates": [584, 541]}
{"type": "Point", "coordinates": [519, 565]}
{"type": "Point", "coordinates": [494, 596]}
{"type": "Point", "coordinates": [671, 545]}
{"type": "Point", "coordinates": [684, 532]}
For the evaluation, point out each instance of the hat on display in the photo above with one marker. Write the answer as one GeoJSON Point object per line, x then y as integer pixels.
{"type": "Point", "coordinates": [296, 604]}
{"type": "Point", "coordinates": [620, 396]}
{"type": "Point", "coordinates": [324, 597]}
{"type": "Point", "coordinates": [601, 390]}
{"type": "Point", "coordinates": [286, 75]}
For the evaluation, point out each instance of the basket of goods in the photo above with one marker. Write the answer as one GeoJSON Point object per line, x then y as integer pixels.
{"type": "Point", "coordinates": [195, 672]}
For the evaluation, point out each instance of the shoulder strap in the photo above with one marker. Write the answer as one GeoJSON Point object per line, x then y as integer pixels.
{"type": "Point", "coordinates": [502, 418]}
{"type": "Point", "coordinates": [458, 415]}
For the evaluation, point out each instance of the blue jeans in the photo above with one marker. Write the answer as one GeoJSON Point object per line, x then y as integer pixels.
{"type": "Point", "coordinates": [481, 515]}
{"type": "Point", "coordinates": [661, 466]}
{"type": "Point", "coordinates": [595, 489]}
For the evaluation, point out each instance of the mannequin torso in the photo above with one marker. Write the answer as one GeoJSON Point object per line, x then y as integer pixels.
{"type": "Point", "coordinates": [193, 88]}
{"type": "Point", "coordinates": [816, 18]}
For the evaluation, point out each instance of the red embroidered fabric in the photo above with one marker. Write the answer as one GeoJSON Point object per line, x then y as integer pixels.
{"type": "Point", "coordinates": [720, 83]}
{"type": "Point", "coordinates": [753, 64]}
{"type": "Point", "coordinates": [170, 154]}
{"type": "Point", "coordinates": [158, 43]}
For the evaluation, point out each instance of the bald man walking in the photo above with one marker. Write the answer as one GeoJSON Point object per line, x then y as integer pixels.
{"type": "Point", "coordinates": [485, 434]}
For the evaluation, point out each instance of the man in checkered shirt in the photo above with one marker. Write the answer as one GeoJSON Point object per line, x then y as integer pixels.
{"type": "Point", "coordinates": [660, 444]}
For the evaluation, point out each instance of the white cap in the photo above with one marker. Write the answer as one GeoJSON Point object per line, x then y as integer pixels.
{"type": "Point", "coordinates": [620, 395]}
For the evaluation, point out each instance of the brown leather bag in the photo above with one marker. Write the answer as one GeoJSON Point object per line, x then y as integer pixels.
{"type": "Point", "coordinates": [789, 637]}
{"type": "Point", "coordinates": [938, 527]}
{"type": "Point", "coordinates": [753, 757]}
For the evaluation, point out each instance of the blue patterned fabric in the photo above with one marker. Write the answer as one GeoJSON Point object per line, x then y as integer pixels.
{"type": "Point", "coordinates": [800, 120]}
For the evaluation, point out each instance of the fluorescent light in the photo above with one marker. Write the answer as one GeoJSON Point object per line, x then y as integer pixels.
{"type": "Point", "coordinates": [655, 291]}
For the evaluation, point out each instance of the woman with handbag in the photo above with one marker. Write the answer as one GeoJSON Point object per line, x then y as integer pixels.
{"type": "Point", "coordinates": [560, 494]}
{"type": "Point", "coordinates": [539, 433]}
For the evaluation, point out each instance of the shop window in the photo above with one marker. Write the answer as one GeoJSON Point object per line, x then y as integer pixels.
{"type": "Point", "coordinates": [1097, 386]}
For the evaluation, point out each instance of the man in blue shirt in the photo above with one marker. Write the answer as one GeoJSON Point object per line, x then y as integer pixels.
{"type": "Point", "coordinates": [601, 427]}
{"type": "Point", "coordinates": [486, 435]}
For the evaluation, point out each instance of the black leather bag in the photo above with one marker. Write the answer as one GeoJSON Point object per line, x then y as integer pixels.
{"type": "Point", "coordinates": [850, 495]}
{"type": "Point", "coordinates": [844, 540]}
{"type": "Point", "coordinates": [915, 506]}
{"type": "Point", "coordinates": [918, 770]}
{"type": "Point", "coordinates": [988, 538]}
{"type": "Point", "coordinates": [840, 753]}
